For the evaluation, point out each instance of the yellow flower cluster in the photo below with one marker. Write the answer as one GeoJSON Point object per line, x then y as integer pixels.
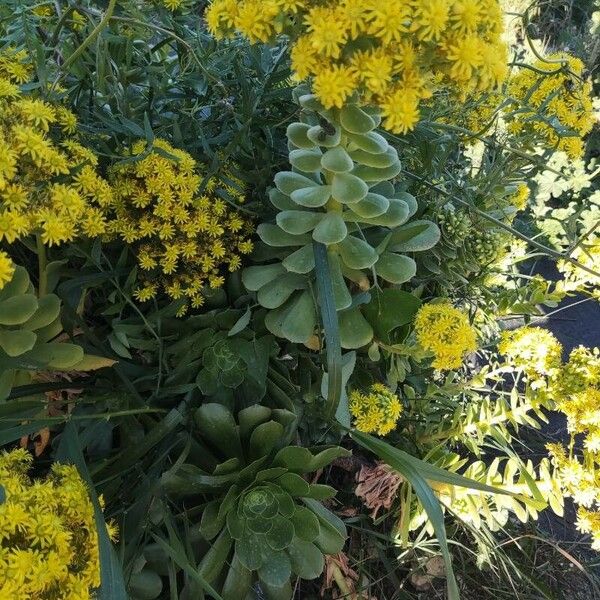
{"type": "Point", "coordinates": [520, 197]}
{"type": "Point", "coordinates": [48, 180]}
{"type": "Point", "coordinates": [377, 411]}
{"type": "Point", "coordinates": [183, 239]}
{"type": "Point", "coordinates": [556, 107]}
{"type": "Point", "coordinates": [445, 332]}
{"type": "Point", "coordinates": [534, 350]}
{"type": "Point", "coordinates": [7, 268]}
{"type": "Point", "coordinates": [394, 53]}
{"type": "Point", "coordinates": [575, 278]}
{"type": "Point", "coordinates": [48, 539]}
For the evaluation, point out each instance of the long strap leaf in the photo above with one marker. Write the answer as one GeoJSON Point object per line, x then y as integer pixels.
{"type": "Point", "coordinates": [112, 585]}
{"type": "Point", "coordinates": [331, 327]}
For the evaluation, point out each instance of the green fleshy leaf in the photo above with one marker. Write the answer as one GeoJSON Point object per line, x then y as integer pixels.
{"type": "Point", "coordinates": [297, 134]}
{"type": "Point", "coordinates": [275, 293]}
{"type": "Point", "coordinates": [312, 197]}
{"type": "Point", "coordinates": [337, 160]}
{"type": "Point", "coordinates": [415, 237]}
{"type": "Point", "coordinates": [372, 205]}
{"type": "Point", "coordinates": [288, 182]}
{"type": "Point", "coordinates": [281, 201]}
{"type": "Point", "coordinates": [396, 268]}
{"type": "Point", "coordinates": [371, 174]}
{"type": "Point", "coordinates": [218, 427]}
{"type": "Point", "coordinates": [298, 221]}
{"type": "Point", "coordinates": [355, 120]}
{"type": "Point", "coordinates": [276, 571]}
{"type": "Point", "coordinates": [301, 261]}
{"type": "Point", "coordinates": [306, 524]}
{"type": "Point", "coordinates": [356, 253]}
{"type": "Point", "coordinates": [294, 484]}
{"type": "Point", "coordinates": [264, 439]}
{"type": "Point", "coordinates": [282, 533]}
{"type": "Point", "coordinates": [300, 322]}
{"type": "Point", "coordinates": [18, 309]}
{"type": "Point", "coordinates": [273, 235]}
{"type": "Point", "coordinates": [254, 278]}
{"type": "Point", "coordinates": [306, 160]}
{"type": "Point", "coordinates": [370, 142]}
{"type": "Point", "coordinates": [307, 560]}
{"type": "Point", "coordinates": [355, 331]}
{"type": "Point", "coordinates": [348, 188]}
{"type": "Point", "coordinates": [15, 343]}
{"type": "Point", "coordinates": [322, 137]}
{"type": "Point", "coordinates": [341, 295]}
{"type": "Point", "coordinates": [331, 229]}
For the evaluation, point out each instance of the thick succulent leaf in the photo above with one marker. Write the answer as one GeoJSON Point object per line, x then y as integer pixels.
{"type": "Point", "coordinates": [356, 120]}
{"type": "Point", "coordinates": [295, 458]}
{"type": "Point", "coordinates": [306, 160]}
{"type": "Point", "coordinates": [249, 418]}
{"type": "Point", "coordinates": [270, 474]}
{"type": "Point", "coordinates": [281, 201]}
{"type": "Point", "coordinates": [281, 534]}
{"type": "Point", "coordinates": [275, 293]}
{"type": "Point", "coordinates": [293, 484]}
{"type": "Point", "coordinates": [216, 557]}
{"type": "Point", "coordinates": [288, 182]}
{"type": "Point", "coordinates": [341, 295]}
{"type": "Point", "coordinates": [324, 138]}
{"type": "Point", "coordinates": [415, 237]}
{"type": "Point", "coordinates": [390, 309]}
{"type": "Point", "coordinates": [235, 524]}
{"type": "Point", "coordinates": [264, 439]}
{"type": "Point", "coordinates": [307, 560]}
{"type": "Point", "coordinates": [378, 161]}
{"type": "Point", "coordinates": [276, 593]}
{"type": "Point", "coordinates": [145, 585]}
{"type": "Point", "coordinates": [331, 229]}
{"type": "Point", "coordinates": [15, 343]}
{"type": "Point", "coordinates": [312, 197]}
{"type": "Point", "coordinates": [310, 102]}
{"type": "Point", "coordinates": [274, 318]}
{"type": "Point", "coordinates": [57, 355]}
{"type": "Point", "coordinates": [372, 205]}
{"type": "Point", "coordinates": [298, 221]}
{"type": "Point", "coordinates": [396, 268]}
{"type": "Point", "coordinates": [410, 200]}
{"type": "Point", "coordinates": [210, 523]}
{"type": "Point", "coordinates": [371, 174]}
{"type": "Point", "coordinates": [327, 456]}
{"type": "Point", "coordinates": [238, 581]}
{"type": "Point", "coordinates": [254, 278]}
{"type": "Point", "coordinates": [228, 466]}
{"type": "Point", "coordinates": [384, 188]}
{"type": "Point", "coordinates": [301, 261]}
{"type": "Point", "coordinates": [18, 309]}
{"type": "Point", "coordinates": [306, 524]}
{"type": "Point", "coordinates": [249, 551]}
{"type": "Point", "coordinates": [259, 525]}
{"type": "Point", "coordinates": [277, 570]}
{"type": "Point", "coordinates": [219, 429]}
{"type": "Point", "coordinates": [348, 189]}
{"type": "Point", "coordinates": [369, 142]}
{"type": "Point", "coordinates": [320, 492]}
{"type": "Point", "coordinates": [355, 331]}
{"type": "Point", "coordinates": [286, 503]}
{"type": "Point", "coordinates": [17, 286]}
{"type": "Point", "coordinates": [297, 134]}
{"type": "Point", "coordinates": [337, 160]}
{"type": "Point", "coordinates": [396, 214]}
{"type": "Point", "coordinates": [299, 323]}
{"type": "Point", "coordinates": [356, 253]}
{"type": "Point", "coordinates": [273, 235]}
{"type": "Point", "coordinates": [332, 529]}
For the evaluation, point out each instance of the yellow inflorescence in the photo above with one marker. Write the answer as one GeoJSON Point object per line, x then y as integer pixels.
{"type": "Point", "coordinates": [377, 411]}
{"type": "Point", "coordinates": [557, 106]}
{"type": "Point", "coordinates": [534, 350]}
{"type": "Point", "coordinates": [446, 332]}
{"type": "Point", "coordinates": [48, 180]}
{"type": "Point", "coordinates": [48, 538]}
{"type": "Point", "coordinates": [7, 269]}
{"type": "Point", "coordinates": [577, 279]}
{"type": "Point", "coordinates": [520, 197]}
{"type": "Point", "coordinates": [394, 53]}
{"type": "Point", "coordinates": [184, 241]}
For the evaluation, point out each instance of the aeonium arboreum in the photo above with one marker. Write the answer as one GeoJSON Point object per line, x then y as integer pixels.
{"type": "Point", "coordinates": [265, 520]}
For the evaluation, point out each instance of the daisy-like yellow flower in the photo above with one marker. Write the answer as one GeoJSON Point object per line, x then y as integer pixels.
{"type": "Point", "coordinates": [376, 411]}
{"type": "Point", "coordinates": [7, 269]}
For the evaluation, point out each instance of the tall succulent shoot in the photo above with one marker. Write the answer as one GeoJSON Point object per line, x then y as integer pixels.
{"type": "Point", "coordinates": [265, 521]}
{"type": "Point", "coordinates": [338, 193]}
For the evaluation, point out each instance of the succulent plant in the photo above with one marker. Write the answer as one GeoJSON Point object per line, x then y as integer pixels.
{"type": "Point", "coordinates": [28, 326]}
{"type": "Point", "coordinates": [339, 194]}
{"type": "Point", "coordinates": [267, 521]}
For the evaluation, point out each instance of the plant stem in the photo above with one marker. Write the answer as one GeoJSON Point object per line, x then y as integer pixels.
{"type": "Point", "coordinates": [42, 267]}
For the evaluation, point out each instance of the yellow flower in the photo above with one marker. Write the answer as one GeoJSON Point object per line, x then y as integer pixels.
{"type": "Point", "coordinates": [328, 34]}
{"type": "Point", "coordinates": [446, 332]}
{"type": "Point", "coordinates": [7, 269]}
{"type": "Point", "coordinates": [430, 19]}
{"type": "Point", "coordinates": [377, 411]}
{"type": "Point", "coordinates": [533, 349]}
{"type": "Point", "coordinates": [400, 110]}
{"type": "Point", "coordinates": [48, 536]}
{"type": "Point", "coordinates": [334, 85]}
{"type": "Point", "coordinates": [389, 20]}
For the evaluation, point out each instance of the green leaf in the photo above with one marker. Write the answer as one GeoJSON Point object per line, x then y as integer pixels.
{"type": "Point", "coordinates": [58, 355]}
{"type": "Point", "coordinates": [276, 292]}
{"type": "Point", "coordinates": [396, 214]}
{"type": "Point", "coordinates": [331, 327]}
{"type": "Point", "coordinates": [254, 278]}
{"type": "Point", "coordinates": [342, 296]}
{"type": "Point", "coordinates": [214, 560]}
{"type": "Point", "coordinates": [306, 160]}
{"type": "Point", "coordinates": [273, 235]}
{"type": "Point", "coordinates": [298, 221]}
{"type": "Point", "coordinates": [300, 322]}
{"type": "Point", "coordinates": [238, 581]}
{"type": "Point", "coordinates": [264, 439]}
{"type": "Point", "coordinates": [250, 418]}
{"type": "Point", "coordinates": [378, 161]}
{"type": "Point", "coordinates": [277, 570]}
{"type": "Point", "coordinates": [281, 201]}
{"type": "Point", "coordinates": [210, 524]}
{"type": "Point", "coordinates": [307, 560]}
{"type": "Point", "coordinates": [348, 189]}
{"type": "Point", "coordinates": [301, 261]}
{"type": "Point", "coordinates": [355, 120]}
{"type": "Point", "coordinates": [17, 342]}
{"type": "Point", "coordinates": [17, 286]}
{"type": "Point", "coordinates": [396, 268]}
{"type": "Point", "coordinates": [297, 134]}
{"type": "Point", "coordinates": [18, 309]}
{"type": "Point", "coordinates": [372, 205]}
{"type": "Point", "coordinates": [373, 175]}
{"type": "Point", "coordinates": [293, 484]}
{"type": "Point", "coordinates": [288, 182]}
{"type": "Point", "coordinates": [372, 142]}
{"type": "Point", "coordinates": [331, 229]}
{"type": "Point", "coordinates": [322, 137]}
{"type": "Point", "coordinates": [218, 427]}
{"type": "Point", "coordinates": [355, 331]}
{"type": "Point", "coordinates": [337, 160]}
{"type": "Point", "coordinates": [248, 550]}
{"type": "Point", "coordinates": [241, 323]}
{"type": "Point", "coordinates": [145, 585]}
{"type": "Point", "coordinates": [306, 524]}
{"type": "Point", "coordinates": [312, 197]}
{"type": "Point", "coordinates": [390, 309]}
{"type": "Point", "coordinates": [281, 534]}
{"type": "Point", "coordinates": [415, 237]}
{"type": "Point", "coordinates": [357, 253]}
